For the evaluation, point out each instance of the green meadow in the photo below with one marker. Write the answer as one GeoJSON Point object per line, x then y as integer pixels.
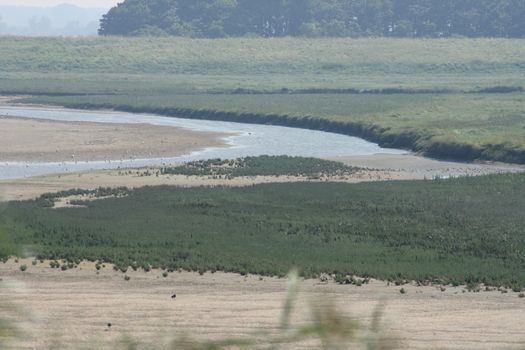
{"type": "Point", "coordinates": [262, 64]}
{"type": "Point", "coordinates": [458, 98]}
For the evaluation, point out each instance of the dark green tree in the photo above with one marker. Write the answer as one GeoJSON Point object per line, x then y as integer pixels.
{"type": "Point", "coordinates": [330, 18]}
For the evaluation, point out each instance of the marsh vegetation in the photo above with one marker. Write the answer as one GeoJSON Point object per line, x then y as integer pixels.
{"type": "Point", "coordinates": [456, 231]}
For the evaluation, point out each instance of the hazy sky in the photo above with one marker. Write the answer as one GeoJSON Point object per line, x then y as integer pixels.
{"type": "Point", "coordinates": [46, 3]}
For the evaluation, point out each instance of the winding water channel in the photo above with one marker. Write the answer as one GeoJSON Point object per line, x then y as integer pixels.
{"type": "Point", "coordinates": [248, 140]}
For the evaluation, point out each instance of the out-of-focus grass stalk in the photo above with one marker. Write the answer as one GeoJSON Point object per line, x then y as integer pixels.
{"type": "Point", "coordinates": [291, 297]}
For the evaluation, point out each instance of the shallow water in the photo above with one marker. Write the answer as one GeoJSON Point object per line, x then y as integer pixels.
{"type": "Point", "coordinates": [249, 140]}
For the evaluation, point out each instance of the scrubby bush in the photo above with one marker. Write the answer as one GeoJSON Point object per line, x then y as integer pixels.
{"type": "Point", "coordinates": [473, 287]}
{"type": "Point", "coordinates": [341, 279]}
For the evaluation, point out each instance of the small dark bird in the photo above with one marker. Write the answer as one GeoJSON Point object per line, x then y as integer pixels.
{"type": "Point", "coordinates": [109, 325]}
{"type": "Point", "coordinates": [173, 296]}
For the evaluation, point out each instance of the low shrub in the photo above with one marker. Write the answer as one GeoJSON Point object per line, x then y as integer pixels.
{"type": "Point", "coordinates": [473, 287]}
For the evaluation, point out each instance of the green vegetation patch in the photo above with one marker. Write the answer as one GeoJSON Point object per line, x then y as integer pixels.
{"type": "Point", "coordinates": [262, 166]}
{"type": "Point", "coordinates": [7, 248]}
{"type": "Point", "coordinates": [467, 230]}
{"type": "Point", "coordinates": [7, 245]}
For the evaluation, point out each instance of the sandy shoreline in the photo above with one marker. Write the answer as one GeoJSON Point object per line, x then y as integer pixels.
{"type": "Point", "coordinates": [37, 140]}
{"type": "Point", "coordinates": [74, 307]}
{"type": "Point", "coordinates": [376, 168]}
{"type": "Point", "coordinates": [31, 140]}
{"type": "Point", "coordinates": [416, 167]}
{"type": "Point", "coordinates": [33, 187]}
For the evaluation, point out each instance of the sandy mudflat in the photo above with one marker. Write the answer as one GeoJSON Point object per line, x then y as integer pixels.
{"type": "Point", "coordinates": [414, 167]}
{"type": "Point", "coordinates": [9, 99]}
{"type": "Point", "coordinates": [376, 168]}
{"type": "Point", "coordinates": [30, 188]}
{"type": "Point", "coordinates": [30, 140]}
{"type": "Point", "coordinates": [74, 307]}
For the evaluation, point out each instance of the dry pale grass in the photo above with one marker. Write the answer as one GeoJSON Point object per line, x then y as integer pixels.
{"type": "Point", "coordinates": [71, 309]}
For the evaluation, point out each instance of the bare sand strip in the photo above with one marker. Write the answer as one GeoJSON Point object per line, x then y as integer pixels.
{"type": "Point", "coordinates": [10, 99]}
{"type": "Point", "coordinates": [33, 187]}
{"type": "Point", "coordinates": [31, 140]}
{"type": "Point", "coordinates": [72, 308]}
{"type": "Point", "coordinates": [377, 168]}
{"type": "Point", "coordinates": [416, 167]}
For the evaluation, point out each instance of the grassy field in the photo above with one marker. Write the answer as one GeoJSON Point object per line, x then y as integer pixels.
{"type": "Point", "coordinates": [432, 96]}
{"type": "Point", "coordinates": [456, 231]}
{"type": "Point", "coordinates": [199, 65]}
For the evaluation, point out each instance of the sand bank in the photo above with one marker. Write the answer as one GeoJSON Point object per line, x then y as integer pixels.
{"type": "Point", "coordinates": [31, 140]}
{"type": "Point", "coordinates": [375, 168]}
{"type": "Point", "coordinates": [415, 167]}
{"type": "Point", "coordinates": [33, 187]}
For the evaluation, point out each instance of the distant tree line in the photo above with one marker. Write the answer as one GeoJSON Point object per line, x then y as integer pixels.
{"type": "Point", "coordinates": [316, 18]}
